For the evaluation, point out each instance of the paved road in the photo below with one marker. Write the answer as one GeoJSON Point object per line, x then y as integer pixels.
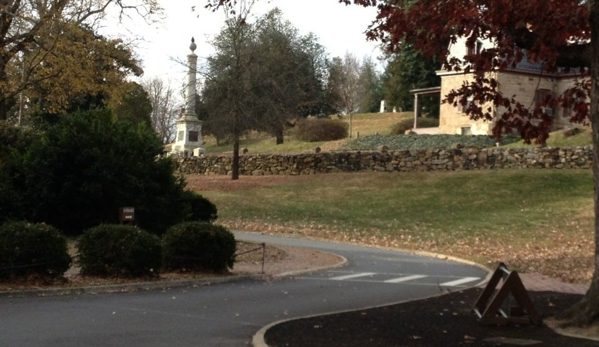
{"type": "Point", "coordinates": [228, 314]}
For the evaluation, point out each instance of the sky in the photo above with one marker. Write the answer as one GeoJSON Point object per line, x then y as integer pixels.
{"type": "Point", "coordinates": [162, 46]}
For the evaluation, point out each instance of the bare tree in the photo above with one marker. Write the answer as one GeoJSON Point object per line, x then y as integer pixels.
{"type": "Point", "coordinates": [370, 79]}
{"type": "Point", "coordinates": [345, 85]}
{"type": "Point", "coordinates": [164, 108]}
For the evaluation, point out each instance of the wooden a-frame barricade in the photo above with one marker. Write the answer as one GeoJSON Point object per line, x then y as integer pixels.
{"type": "Point", "coordinates": [491, 305]}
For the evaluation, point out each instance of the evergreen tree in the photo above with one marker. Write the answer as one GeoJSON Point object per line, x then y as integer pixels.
{"type": "Point", "coordinates": [408, 69]}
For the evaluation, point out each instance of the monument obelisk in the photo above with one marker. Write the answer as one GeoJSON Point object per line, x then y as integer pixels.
{"type": "Point", "coordinates": [189, 127]}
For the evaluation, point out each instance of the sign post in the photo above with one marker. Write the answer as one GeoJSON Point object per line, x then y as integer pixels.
{"type": "Point", "coordinates": [127, 214]}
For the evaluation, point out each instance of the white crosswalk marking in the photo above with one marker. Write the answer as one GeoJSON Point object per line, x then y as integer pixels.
{"type": "Point", "coordinates": [346, 277]}
{"type": "Point", "coordinates": [398, 278]}
{"type": "Point", "coordinates": [405, 278]}
{"type": "Point", "coordinates": [458, 282]}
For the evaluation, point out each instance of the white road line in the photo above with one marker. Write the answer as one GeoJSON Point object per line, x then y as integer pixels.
{"type": "Point", "coordinates": [405, 278]}
{"type": "Point", "coordinates": [458, 282]}
{"type": "Point", "coordinates": [346, 277]}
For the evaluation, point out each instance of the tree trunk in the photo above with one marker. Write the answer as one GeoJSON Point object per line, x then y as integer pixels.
{"type": "Point", "coordinates": [235, 165]}
{"type": "Point", "coordinates": [279, 133]}
{"type": "Point", "coordinates": [3, 109]}
{"type": "Point", "coordinates": [350, 125]}
{"type": "Point", "coordinates": [3, 93]}
{"type": "Point", "coordinates": [587, 310]}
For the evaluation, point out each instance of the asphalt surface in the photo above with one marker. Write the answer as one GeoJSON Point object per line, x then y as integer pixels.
{"type": "Point", "coordinates": [228, 314]}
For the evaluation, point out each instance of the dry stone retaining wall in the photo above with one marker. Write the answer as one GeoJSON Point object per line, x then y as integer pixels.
{"type": "Point", "coordinates": [436, 159]}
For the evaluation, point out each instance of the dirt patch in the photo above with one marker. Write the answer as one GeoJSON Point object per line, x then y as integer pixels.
{"type": "Point", "coordinates": [288, 259]}
{"type": "Point", "coordinates": [278, 260]}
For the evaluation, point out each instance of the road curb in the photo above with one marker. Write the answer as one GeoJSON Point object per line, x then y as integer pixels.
{"type": "Point", "coordinates": [129, 287]}
{"type": "Point", "coordinates": [164, 285]}
{"type": "Point", "coordinates": [343, 261]}
{"type": "Point", "coordinates": [258, 338]}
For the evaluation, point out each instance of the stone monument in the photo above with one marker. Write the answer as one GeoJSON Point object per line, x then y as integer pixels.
{"type": "Point", "coordinates": [189, 128]}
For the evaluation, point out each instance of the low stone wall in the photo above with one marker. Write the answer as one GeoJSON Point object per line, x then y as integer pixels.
{"type": "Point", "coordinates": [392, 161]}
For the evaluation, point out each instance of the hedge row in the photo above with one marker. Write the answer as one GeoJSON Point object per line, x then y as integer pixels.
{"type": "Point", "coordinates": [114, 250]}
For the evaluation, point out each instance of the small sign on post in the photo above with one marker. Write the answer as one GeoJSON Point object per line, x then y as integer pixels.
{"type": "Point", "coordinates": [127, 214]}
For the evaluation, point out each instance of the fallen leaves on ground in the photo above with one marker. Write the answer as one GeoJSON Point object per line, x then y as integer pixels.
{"type": "Point", "coordinates": [568, 258]}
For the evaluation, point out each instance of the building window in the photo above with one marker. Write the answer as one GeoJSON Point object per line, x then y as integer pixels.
{"type": "Point", "coordinates": [193, 136]}
{"type": "Point", "coordinates": [466, 131]}
{"type": "Point", "coordinates": [476, 49]}
{"type": "Point", "coordinates": [543, 99]}
{"type": "Point", "coordinates": [469, 101]}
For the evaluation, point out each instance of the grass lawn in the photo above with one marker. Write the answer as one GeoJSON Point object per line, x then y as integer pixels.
{"type": "Point", "coordinates": [534, 220]}
{"type": "Point", "coordinates": [558, 139]}
{"type": "Point", "coordinates": [362, 124]}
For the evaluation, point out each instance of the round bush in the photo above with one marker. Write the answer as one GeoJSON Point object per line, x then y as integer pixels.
{"type": "Point", "coordinates": [320, 129]}
{"type": "Point", "coordinates": [402, 126]}
{"type": "Point", "coordinates": [119, 251]}
{"type": "Point", "coordinates": [194, 246]}
{"type": "Point", "coordinates": [27, 249]}
{"type": "Point", "coordinates": [200, 208]}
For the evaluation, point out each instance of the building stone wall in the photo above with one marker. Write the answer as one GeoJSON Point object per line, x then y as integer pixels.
{"type": "Point", "coordinates": [521, 85]}
{"type": "Point", "coordinates": [524, 86]}
{"type": "Point", "coordinates": [452, 120]}
{"type": "Point", "coordinates": [438, 159]}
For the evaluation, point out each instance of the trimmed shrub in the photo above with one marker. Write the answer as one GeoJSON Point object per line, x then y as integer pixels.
{"type": "Point", "coordinates": [27, 249]}
{"type": "Point", "coordinates": [320, 129]}
{"type": "Point", "coordinates": [196, 246]}
{"type": "Point", "coordinates": [200, 208]}
{"type": "Point", "coordinates": [83, 168]}
{"type": "Point", "coordinates": [402, 126]}
{"type": "Point", "coordinates": [111, 250]}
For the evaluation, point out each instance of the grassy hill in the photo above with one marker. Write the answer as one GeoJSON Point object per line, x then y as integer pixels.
{"type": "Point", "coordinates": [581, 137]}
{"type": "Point", "coordinates": [363, 124]}
{"type": "Point", "coordinates": [371, 130]}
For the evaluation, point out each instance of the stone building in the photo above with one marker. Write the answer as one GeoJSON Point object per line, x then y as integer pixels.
{"type": "Point", "coordinates": [527, 82]}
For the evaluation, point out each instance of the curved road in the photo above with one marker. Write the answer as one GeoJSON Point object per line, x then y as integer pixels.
{"type": "Point", "coordinates": [229, 314]}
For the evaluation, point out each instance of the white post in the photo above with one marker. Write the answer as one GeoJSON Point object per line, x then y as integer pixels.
{"type": "Point", "coordinates": [415, 109]}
